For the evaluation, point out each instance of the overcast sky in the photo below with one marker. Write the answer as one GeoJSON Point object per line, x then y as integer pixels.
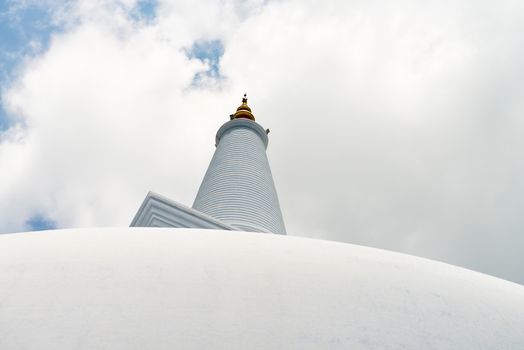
{"type": "Point", "coordinates": [396, 125]}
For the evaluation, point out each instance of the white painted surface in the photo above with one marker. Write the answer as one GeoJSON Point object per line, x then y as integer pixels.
{"type": "Point", "coordinates": [159, 211]}
{"type": "Point", "coordinates": [238, 187]}
{"type": "Point", "coordinates": [147, 288]}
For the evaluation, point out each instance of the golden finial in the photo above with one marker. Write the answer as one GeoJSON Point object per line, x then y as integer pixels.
{"type": "Point", "coordinates": [243, 111]}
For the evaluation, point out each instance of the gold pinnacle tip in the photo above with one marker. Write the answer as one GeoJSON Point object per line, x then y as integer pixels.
{"type": "Point", "coordinates": [243, 111]}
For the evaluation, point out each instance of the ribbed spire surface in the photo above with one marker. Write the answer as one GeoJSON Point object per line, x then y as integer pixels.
{"type": "Point", "coordinates": [238, 187]}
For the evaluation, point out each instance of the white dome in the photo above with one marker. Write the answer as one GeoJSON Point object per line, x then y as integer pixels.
{"type": "Point", "coordinates": [144, 288]}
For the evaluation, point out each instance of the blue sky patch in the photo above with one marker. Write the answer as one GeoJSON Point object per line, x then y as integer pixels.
{"type": "Point", "coordinates": [39, 223]}
{"type": "Point", "coordinates": [24, 30]}
{"type": "Point", "coordinates": [209, 52]}
{"type": "Point", "coordinates": [145, 10]}
{"type": "Point", "coordinates": [4, 123]}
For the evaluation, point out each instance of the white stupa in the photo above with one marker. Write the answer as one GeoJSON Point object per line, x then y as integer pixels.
{"type": "Point", "coordinates": [188, 288]}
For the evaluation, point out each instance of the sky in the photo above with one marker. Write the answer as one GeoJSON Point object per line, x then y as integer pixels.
{"type": "Point", "coordinates": [395, 125]}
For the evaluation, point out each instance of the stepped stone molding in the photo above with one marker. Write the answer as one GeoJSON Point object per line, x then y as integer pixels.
{"type": "Point", "coordinates": [238, 187]}
{"type": "Point", "coordinates": [159, 211]}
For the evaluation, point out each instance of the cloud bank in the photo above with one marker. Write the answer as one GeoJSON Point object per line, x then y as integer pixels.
{"type": "Point", "coordinates": [392, 125]}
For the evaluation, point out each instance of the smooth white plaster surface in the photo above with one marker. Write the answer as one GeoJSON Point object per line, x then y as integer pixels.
{"type": "Point", "coordinates": [157, 288]}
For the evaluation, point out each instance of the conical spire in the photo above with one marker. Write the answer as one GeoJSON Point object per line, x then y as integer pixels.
{"type": "Point", "coordinates": [238, 187]}
{"type": "Point", "coordinates": [243, 111]}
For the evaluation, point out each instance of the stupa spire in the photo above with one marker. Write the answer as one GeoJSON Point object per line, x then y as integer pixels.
{"type": "Point", "coordinates": [238, 187]}
{"type": "Point", "coordinates": [237, 192]}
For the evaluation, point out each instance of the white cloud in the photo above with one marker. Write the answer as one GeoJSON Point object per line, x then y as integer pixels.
{"type": "Point", "coordinates": [393, 125]}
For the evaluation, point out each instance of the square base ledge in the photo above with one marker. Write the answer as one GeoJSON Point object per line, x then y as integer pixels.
{"type": "Point", "coordinates": [159, 211]}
